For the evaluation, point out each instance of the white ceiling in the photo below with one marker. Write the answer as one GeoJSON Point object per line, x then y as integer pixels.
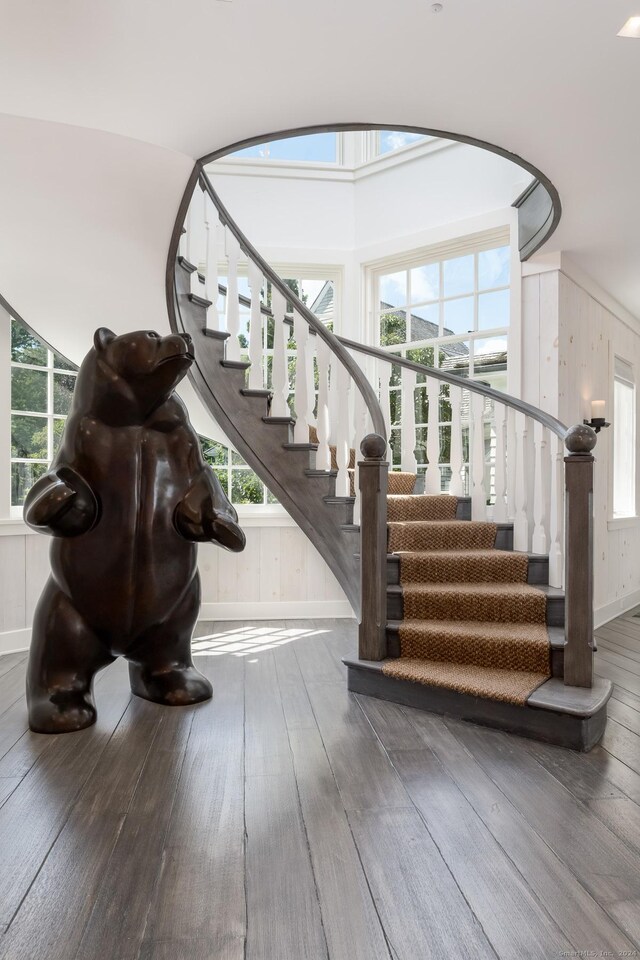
{"type": "Point", "coordinates": [546, 79]}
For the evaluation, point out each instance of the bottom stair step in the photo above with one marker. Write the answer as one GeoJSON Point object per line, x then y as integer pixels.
{"type": "Point", "coordinates": [568, 716]}
{"type": "Point", "coordinates": [487, 634]}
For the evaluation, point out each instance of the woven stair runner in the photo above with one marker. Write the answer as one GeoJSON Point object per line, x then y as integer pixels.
{"type": "Point", "coordinates": [471, 621]}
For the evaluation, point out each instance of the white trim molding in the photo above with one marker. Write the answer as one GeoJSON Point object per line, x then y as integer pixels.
{"type": "Point", "coordinates": [15, 641]}
{"type": "Point", "coordinates": [277, 610]}
{"type": "Point", "coordinates": [609, 611]}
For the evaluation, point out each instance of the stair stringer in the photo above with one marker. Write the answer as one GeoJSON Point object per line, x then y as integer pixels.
{"type": "Point", "coordinates": [262, 445]}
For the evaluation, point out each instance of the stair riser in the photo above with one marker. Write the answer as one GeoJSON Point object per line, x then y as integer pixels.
{"type": "Point", "coordinates": [538, 572]}
{"type": "Point", "coordinates": [463, 510]}
{"type": "Point", "coordinates": [395, 608]}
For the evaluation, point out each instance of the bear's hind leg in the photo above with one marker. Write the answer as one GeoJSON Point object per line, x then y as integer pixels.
{"type": "Point", "coordinates": [64, 657]}
{"type": "Point", "coordinates": [160, 664]}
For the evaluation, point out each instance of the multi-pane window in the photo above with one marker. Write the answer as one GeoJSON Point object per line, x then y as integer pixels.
{"type": "Point", "coordinates": [313, 148]}
{"type": "Point", "coordinates": [388, 141]}
{"type": "Point", "coordinates": [236, 477]}
{"type": "Point", "coordinates": [42, 386]}
{"type": "Point", "coordinates": [451, 313]}
{"type": "Point", "coordinates": [624, 440]}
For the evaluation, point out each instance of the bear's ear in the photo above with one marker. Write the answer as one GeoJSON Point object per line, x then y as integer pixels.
{"type": "Point", "coordinates": [102, 338]}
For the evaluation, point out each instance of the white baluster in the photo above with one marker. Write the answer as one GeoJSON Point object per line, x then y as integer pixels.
{"type": "Point", "coordinates": [256, 334]}
{"type": "Point", "coordinates": [385, 401]}
{"type": "Point", "coordinates": [520, 520]}
{"type": "Point", "coordinates": [500, 506]}
{"type": "Point", "coordinates": [361, 430]}
{"type": "Point", "coordinates": [280, 369]}
{"type": "Point", "coordinates": [539, 543]}
{"type": "Point", "coordinates": [456, 486]}
{"type": "Point", "coordinates": [478, 491]}
{"type": "Point", "coordinates": [556, 513]}
{"type": "Point", "coordinates": [408, 456]}
{"type": "Point", "coordinates": [232, 253]}
{"type": "Point", "coordinates": [323, 454]}
{"type": "Point", "coordinates": [213, 227]}
{"type": "Point", "coordinates": [343, 431]}
{"type": "Point", "coordinates": [301, 398]}
{"type": "Point", "coordinates": [195, 239]}
{"type": "Point", "coordinates": [335, 412]}
{"type": "Point", "coordinates": [512, 454]}
{"type": "Point", "coordinates": [187, 239]}
{"type": "Point", "coordinates": [432, 480]}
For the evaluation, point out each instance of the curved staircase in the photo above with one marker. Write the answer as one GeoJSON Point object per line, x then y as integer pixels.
{"type": "Point", "coordinates": [452, 591]}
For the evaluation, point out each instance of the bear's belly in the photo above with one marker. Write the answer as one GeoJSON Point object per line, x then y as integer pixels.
{"type": "Point", "coordinates": [125, 583]}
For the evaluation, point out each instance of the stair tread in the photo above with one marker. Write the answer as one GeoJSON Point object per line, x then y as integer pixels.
{"type": "Point", "coordinates": [555, 634]}
{"type": "Point", "coordinates": [200, 301]}
{"type": "Point", "coordinates": [216, 334]}
{"type": "Point", "coordinates": [187, 265]}
{"type": "Point", "coordinates": [552, 593]}
{"type": "Point", "coordinates": [481, 587]}
{"type": "Point", "coordinates": [554, 695]}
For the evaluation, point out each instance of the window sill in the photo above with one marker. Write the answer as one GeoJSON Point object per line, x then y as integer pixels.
{"type": "Point", "coordinates": [269, 516]}
{"type": "Point", "coordinates": [14, 526]}
{"type": "Point", "coordinates": [622, 523]}
{"type": "Point", "coordinates": [272, 515]}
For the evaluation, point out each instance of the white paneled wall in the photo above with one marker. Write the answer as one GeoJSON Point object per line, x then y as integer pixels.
{"type": "Point", "coordinates": [575, 335]}
{"type": "Point", "coordinates": [24, 567]}
{"type": "Point", "coordinates": [278, 575]}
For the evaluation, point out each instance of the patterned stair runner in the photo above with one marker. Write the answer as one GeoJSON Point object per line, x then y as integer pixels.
{"type": "Point", "coordinates": [471, 621]}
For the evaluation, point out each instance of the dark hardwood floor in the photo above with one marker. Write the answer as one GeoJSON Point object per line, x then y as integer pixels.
{"type": "Point", "coordinates": [289, 820]}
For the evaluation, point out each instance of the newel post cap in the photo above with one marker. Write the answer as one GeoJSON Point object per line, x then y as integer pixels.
{"type": "Point", "coordinates": [580, 439]}
{"type": "Point", "coordinates": [373, 447]}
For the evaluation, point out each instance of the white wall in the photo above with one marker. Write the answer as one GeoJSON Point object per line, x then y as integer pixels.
{"type": "Point", "coordinates": [455, 183]}
{"type": "Point", "coordinates": [575, 329]}
{"type": "Point", "coordinates": [86, 222]}
{"type": "Point", "coordinates": [279, 575]}
{"type": "Point", "coordinates": [290, 211]}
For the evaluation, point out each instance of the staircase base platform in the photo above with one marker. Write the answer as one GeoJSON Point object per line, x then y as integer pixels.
{"type": "Point", "coordinates": [571, 717]}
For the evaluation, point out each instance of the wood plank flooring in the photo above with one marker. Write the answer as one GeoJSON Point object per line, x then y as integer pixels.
{"type": "Point", "coordinates": [290, 820]}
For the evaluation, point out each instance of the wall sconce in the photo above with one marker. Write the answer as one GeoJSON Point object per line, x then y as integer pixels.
{"type": "Point", "coordinates": [598, 420]}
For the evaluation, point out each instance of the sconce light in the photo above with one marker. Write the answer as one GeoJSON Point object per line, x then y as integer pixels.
{"type": "Point", "coordinates": [598, 420]}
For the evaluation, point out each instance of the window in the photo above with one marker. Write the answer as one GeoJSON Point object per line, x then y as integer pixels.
{"type": "Point", "coordinates": [42, 386]}
{"type": "Point", "coordinates": [313, 148]}
{"type": "Point", "coordinates": [624, 440]}
{"type": "Point", "coordinates": [237, 479]}
{"type": "Point", "coordinates": [452, 312]}
{"type": "Point", "coordinates": [320, 293]}
{"type": "Point", "coordinates": [388, 141]}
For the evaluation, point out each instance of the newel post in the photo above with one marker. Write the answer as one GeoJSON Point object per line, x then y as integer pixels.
{"type": "Point", "coordinates": [373, 474]}
{"type": "Point", "coordinates": [578, 653]}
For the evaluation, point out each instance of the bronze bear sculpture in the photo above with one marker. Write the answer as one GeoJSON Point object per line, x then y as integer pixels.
{"type": "Point", "coordinates": [127, 499]}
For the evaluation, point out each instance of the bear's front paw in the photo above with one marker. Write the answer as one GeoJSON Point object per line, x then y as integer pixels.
{"type": "Point", "coordinates": [177, 686]}
{"type": "Point", "coordinates": [61, 503]}
{"type": "Point", "coordinates": [223, 529]}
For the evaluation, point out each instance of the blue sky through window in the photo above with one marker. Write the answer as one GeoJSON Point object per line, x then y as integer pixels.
{"type": "Point", "coordinates": [314, 148]}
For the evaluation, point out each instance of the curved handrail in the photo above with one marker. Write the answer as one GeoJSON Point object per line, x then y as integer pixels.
{"type": "Point", "coordinates": [534, 238]}
{"type": "Point", "coordinates": [357, 374]}
{"type": "Point", "coordinates": [556, 426]}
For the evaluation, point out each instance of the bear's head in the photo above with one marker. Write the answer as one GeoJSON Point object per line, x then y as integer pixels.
{"type": "Point", "coordinates": [123, 379]}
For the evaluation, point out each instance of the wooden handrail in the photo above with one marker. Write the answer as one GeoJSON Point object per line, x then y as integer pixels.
{"type": "Point", "coordinates": [556, 426]}
{"type": "Point", "coordinates": [357, 374]}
